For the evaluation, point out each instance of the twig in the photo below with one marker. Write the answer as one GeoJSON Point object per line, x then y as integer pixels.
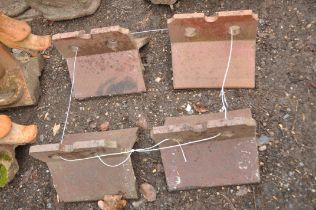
{"type": "Point", "coordinates": [229, 201]}
{"type": "Point", "coordinates": [302, 145]}
{"type": "Point", "coordinates": [295, 116]}
{"type": "Point", "coordinates": [254, 197]}
{"type": "Point", "coordinates": [293, 128]}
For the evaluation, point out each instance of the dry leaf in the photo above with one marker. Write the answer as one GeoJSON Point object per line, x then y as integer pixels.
{"type": "Point", "coordinates": [56, 129]}
{"type": "Point", "coordinates": [198, 107]}
{"type": "Point", "coordinates": [112, 202]}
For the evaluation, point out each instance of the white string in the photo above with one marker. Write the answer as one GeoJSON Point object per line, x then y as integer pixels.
{"type": "Point", "coordinates": [148, 31]}
{"type": "Point", "coordinates": [148, 149]}
{"type": "Point", "coordinates": [222, 93]}
{"type": "Point", "coordinates": [71, 90]}
{"type": "Point", "coordinates": [142, 150]}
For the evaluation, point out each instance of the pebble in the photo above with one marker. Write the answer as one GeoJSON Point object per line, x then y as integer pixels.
{"type": "Point", "coordinates": [142, 122]}
{"type": "Point", "coordinates": [104, 126]}
{"type": "Point", "coordinates": [159, 168]}
{"type": "Point", "coordinates": [148, 191]}
{"type": "Point", "coordinates": [263, 139]}
{"type": "Point", "coordinates": [158, 79]}
{"type": "Point", "coordinates": [41, 137]}
{"type": "Point", "coordinates": [93, 124]}
{"type": "Point", "coordinates": [242, 191]}
{"type": "Point", "coordinates": [262, 148]}
{"type": "Point", "coordinates": [189, 109]}
{"type": "Point", "coordinates": [137, 204]}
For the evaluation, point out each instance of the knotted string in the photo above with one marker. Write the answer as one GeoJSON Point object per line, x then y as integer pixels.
{"type": "Point", "coordinates": [142, 150]}
{"type": "Point", "coordinates": [152, 148]}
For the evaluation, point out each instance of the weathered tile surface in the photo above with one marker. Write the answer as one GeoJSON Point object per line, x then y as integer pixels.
{"type": "Point", "coordinates": [218, 162]}
{"type": "Point", "coordinates": [89, 179]}
{"type": "Point", "coordinates": [200, 48]}
{"type": "Point", "coordinates": [108, 61]}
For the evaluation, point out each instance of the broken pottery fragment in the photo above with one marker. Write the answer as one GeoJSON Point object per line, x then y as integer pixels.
{"type": "Point", "coordinates": [89, 179]}
{"type": "Point", "coordinates": [229, 159]}
{"type": "Point", "coordinates": [12, 135]}
{"type": "Point", "coordinates": [107, 61]}
{"type": "Point", "coordinates": [64, 9]}
{"type": "Point", "coordinates": [200, 49]}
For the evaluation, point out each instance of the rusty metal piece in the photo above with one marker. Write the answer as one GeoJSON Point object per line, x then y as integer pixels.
{"type": "Point", "coordinates": [227, 160]}
{"type": "Point", "coordinates": [19, 84]}
{"type": "Point", "coordinates": [107, 63]}
{"type": "Point", "coordinates": [89, 180]}
{"type": "Point", "coordinates": [200, 48]}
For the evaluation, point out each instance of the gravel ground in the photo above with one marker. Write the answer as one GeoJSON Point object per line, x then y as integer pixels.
{"type": "Point", "coordinates": [283, 104]}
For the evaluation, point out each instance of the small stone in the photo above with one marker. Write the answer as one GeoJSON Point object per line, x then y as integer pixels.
{"type": "Point", "coordinates": [104, 126]}
{"type": "Point", "coordinates": [263, 139]}
{"type": "Point", "coordinates": [242, 191]}
{"type": "Point", "coordinates": [158, 79]}
{"type": "Point", "coordinates": [101, 204]}
{"type": "Point", "coordinates": [92, 124]}
{"type": "Point", "coordinates": [137, 204]}
{"type": "Point", "coordinates": [148, 191]}
{"type": "Point", "coordinates": [159, 168]}
{"type": "Point", "coordinates": [41, 137]}
{"type": "Point", "coordinates": [142, 122]}
{"type": "Point", "coordinates": [262, 148]}
{"type": "Point", "coordinates": [286, 116]}
{"type": "Point", "coordinates": [189, 109]}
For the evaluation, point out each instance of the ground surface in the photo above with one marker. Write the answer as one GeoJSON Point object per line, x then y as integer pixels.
{"type": "Point", "coordinates": [283, 104]}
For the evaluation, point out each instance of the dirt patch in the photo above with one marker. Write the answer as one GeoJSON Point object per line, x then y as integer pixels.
{"type": "Point", "coordinates": [283, 104]}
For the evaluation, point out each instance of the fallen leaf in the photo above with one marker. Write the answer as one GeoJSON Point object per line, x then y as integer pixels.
{"type": "Point", "coordinates": [112, 202]}
{"type": "Point", "coordinates": [198, 107]}
{"type": "Point", "coordinates": [56, 129]}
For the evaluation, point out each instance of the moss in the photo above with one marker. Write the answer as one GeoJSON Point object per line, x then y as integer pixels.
{"type": "Point", "coordinates": [3, 176]}
{"type": "Point", "coordinates": [5, 156]}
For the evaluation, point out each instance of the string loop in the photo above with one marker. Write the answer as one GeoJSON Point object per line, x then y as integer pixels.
{"type": "Point", "coordinates": [142, 150]}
